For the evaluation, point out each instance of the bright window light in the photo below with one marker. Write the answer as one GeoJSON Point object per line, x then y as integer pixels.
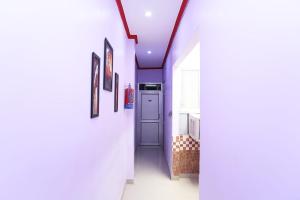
{"type": "Point", "coordinates": [149, 52]}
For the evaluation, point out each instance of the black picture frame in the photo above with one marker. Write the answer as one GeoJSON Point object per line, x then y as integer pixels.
{"type": "Point", "coordinates": [116, 98]}
{"type": "Point", "coordinates": [95, 85]}
{"type": "Point", "coordinates": [108, 66]}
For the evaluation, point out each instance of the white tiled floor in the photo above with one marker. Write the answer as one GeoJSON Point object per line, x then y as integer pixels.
{"type": "Point", "coordinates": [152, 181]}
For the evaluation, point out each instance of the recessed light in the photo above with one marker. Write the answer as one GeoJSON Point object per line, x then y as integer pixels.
{"type": "Point", "coordinates": [149, 52]}
{"type": "Point", "coordinates": [148, 14]}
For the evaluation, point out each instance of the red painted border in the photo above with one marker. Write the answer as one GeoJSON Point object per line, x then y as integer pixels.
{"type": "Point", "coordinates": [149, 68]}
{"type": "Point", "coordinates": [137, 62]}
{"type": "Point", "coordinates": [144, 68]}
{"type": "Point", "coordinates": [122, 14]}
{"type": "Point", "coordinates": [175, 29]}
{"type": "Point", "coordinates": [135, 37]}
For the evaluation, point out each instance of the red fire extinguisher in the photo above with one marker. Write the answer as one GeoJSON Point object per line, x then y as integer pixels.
{"type": "Point", "coordinates": [129, 97]}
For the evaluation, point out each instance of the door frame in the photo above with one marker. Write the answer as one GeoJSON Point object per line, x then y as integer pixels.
{"type": "Point", "coordinates": [161, 114]}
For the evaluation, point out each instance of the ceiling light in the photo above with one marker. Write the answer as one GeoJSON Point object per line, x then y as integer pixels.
{"type": "Point", "coordinates": [149, 52]}
{"type": "Point", "coordinates": [148, 14]}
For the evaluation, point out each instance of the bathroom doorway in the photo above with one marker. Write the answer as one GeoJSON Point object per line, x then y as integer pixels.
{"type": "Point", "coordinates": [186, 115]}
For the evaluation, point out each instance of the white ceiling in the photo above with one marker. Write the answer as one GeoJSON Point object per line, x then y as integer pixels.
{"type": "Point", "coordinates": [153, 32]}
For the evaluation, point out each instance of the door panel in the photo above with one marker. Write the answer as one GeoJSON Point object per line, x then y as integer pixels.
{"type": "Point", "coordinates": [150, 133]}
{"type": "Point", "coordinates": [149, 118]}
{"type": "Point", "coordinates": [150, 107]}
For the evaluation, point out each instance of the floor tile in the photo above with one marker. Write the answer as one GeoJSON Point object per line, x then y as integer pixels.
{"type": "Point", "coordinates": [152, 180]}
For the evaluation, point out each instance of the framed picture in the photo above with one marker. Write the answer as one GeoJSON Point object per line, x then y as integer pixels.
{"type": "Point", "coordinates": [116, 92]}
{"type": "Point", "coordinates": [95, 85]}
{"type": "Point", "coordinates": [108, 66]}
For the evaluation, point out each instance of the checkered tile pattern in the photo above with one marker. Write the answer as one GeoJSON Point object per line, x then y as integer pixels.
{"type": "Point", "coordinates": [185, 142]}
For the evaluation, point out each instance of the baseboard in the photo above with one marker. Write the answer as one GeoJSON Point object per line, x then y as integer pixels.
{"type": "Point", "coordinates": [172, 176]}
{"type": "Point", "coordinates": [130, 181]}
{"type": "Point", "coordinates": [176, 178]}
{"type": "Point", "coordinates": [124, 188]}
{"type": "Point", "coordinates": [150, 147]}
{"type": "Point", "coordinates": [188, 175]}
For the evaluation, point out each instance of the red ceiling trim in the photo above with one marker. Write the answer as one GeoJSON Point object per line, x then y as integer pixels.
{"type": "Point", "coordinates": [149, 68]}
{"type": "Point", "coordinates": [144, 68]}
{"type": "Point", "coordinates": [135, 37]}
{"type": "Point", "coordinates": [175, 29]}
{"type": "Point", "coordinates": [137, 62]}
{"type": "Point", "coordinates": [122, 14]}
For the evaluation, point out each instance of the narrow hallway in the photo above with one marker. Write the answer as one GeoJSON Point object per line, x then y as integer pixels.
{"type": "Point", "coordinates": [128, 99]}
{"type": "Point", "coordinates": [152, 180]}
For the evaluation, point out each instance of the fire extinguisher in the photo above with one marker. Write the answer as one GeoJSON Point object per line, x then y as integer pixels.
{"type": "Point", "coordinates": [129, 97]}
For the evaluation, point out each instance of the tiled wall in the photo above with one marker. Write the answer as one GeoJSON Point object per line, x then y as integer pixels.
{"type": "Point", "coordinates": [186, 153]}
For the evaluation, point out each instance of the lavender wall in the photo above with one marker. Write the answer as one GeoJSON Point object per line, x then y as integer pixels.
{"type": "Point", "coordinates": [249, 99]}
{"type": "Point", "coordinates": [153, 75]}
{"type": "Point", "coordinates": [186, 38]}
{"type": "Point", "coordinates": [250, 83]}
{"type": "Point", "coordinates": [49, 147]}
{"type": "Point", "coordinates": [168, 137]}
